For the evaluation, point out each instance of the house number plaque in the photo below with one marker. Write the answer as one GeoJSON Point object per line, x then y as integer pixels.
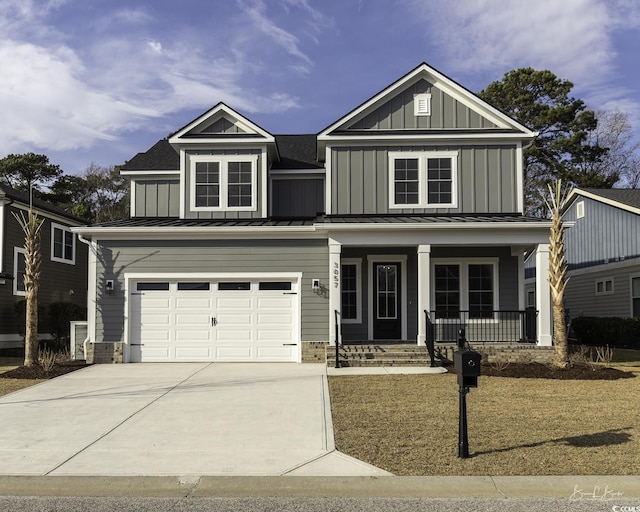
{"type": "Point", "coordinates": [336, 275]}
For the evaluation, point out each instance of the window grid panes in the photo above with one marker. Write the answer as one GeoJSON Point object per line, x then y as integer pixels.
{"type": "Point", "coordinates": [239, 184]}
{"type": "Point", "coordinates": [406, 179]}
{"type": "Point", "coordinates": [447, 291]}
{"type": "Point", "coordinates": [62, 244]}
{"type": "Point", "coordinates": [207, 184]}
{"type": "Point", "coordinates": [349, 282]}
{"type": "Point", "coordinates": [481, 291]}
{"type": "Point", "coordinates": [439, 180]}
{"type": "Point", "coordinates": [387, 292]}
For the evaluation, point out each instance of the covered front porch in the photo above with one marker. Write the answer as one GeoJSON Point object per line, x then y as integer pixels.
{"type": "Point", "coordinates": [389, 292]}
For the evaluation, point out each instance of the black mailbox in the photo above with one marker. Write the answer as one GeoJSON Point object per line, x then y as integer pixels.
{"type": "Point", "coordinates": [467, 366]}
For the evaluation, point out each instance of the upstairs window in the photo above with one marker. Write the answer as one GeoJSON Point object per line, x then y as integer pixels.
{"type": "Point", "coordinates": [19, 268]}
{"type": "Point", "coordinates": [223, 182]}
{"type": "Point", "coordinates": [423, 179]}
{"type": "Point", "coordinates": [63, 244]}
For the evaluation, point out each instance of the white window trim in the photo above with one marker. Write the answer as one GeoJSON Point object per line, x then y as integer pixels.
{"type": "Point", "coordinates": [422, 104]}
{"type": "Point", "coordinates": [358, 263]}
{"type": "Point", "coordinates": [423, 182]}
{"type": "Point", "coordinates": [579, 209]}
{"type": "Point", "coordinates": [64, 229]}
{"type": "Point", "coordinates": [464, 283]}
{"type": "Point", "coordinates": [224, 161]}
{"type": "Point", "coordinates": [604, 286]}
{"type": "Point", "coordinates": [16, 251]}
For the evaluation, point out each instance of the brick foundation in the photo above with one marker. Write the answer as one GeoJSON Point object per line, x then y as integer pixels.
{"type": "Point", "coordinates": [524, 353]}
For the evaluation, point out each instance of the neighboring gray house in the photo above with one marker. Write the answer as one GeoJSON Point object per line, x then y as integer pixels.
{"type": "Point", "coordinates": [63, 267]}
{"type": "Point", "coordinates": [401, 220]}
{"type": "Point", "coordinates": [603, 252]}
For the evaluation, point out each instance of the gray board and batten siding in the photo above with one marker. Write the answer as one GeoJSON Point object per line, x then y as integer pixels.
{"type": "Point", "coordinates": [605, 234]}
{"type": "Point", "coordinates": [157, 198]}
{"type": "Point", "coordinates": [297, 197]}
{"type": "Point", "coordinates": [197, 257]}
{"type": "Point", "coordinates": [486, 181]}
{"type": "Point", "coordinates": [398, 113]}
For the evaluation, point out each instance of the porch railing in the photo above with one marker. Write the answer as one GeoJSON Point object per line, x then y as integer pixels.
{"type": "Point", "coordinates": [487, 326]}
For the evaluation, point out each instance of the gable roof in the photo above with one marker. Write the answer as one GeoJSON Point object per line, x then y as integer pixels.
{"type": "Point", "coordinates": [459, 92]}
{"type": "Point", "coordinates": [160, 157]}
{"type": "Point", "coordinates": [624, 198]}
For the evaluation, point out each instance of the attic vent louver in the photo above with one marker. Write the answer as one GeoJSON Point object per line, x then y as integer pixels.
{"type": "Point", "coordinates": [422, 105]}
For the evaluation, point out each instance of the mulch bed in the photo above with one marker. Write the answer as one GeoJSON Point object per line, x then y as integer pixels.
{"type": "Point", "coordinates": [541, 371]}
{"type": "Point", "coordinates": [37, 372]}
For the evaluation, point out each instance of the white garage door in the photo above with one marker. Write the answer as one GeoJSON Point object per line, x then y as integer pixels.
{"type": "Point", "coordinates": [209, 320]}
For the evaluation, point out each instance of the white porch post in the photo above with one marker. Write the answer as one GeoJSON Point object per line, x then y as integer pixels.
{"type": "Point", "coordinates": [424, 290]}
{"type": "Point", "coordinates": [543, 296]}
{"type": "Point", "coordinates": [335, 248]}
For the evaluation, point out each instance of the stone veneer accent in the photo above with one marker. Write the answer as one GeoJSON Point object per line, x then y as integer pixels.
{"type": "Point", "coordinates": [314, 352]}
{"type": "Point", "coordinates": [104, 353]}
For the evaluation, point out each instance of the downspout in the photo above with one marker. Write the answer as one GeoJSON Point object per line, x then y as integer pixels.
{"type": "Point", "coordinates": [90, 323]}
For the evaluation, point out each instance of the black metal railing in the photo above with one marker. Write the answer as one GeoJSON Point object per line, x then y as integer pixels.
{"type": "Point", "coordinates": [430, 342]}
{"type": "Point", "coordinates": [487, 326]}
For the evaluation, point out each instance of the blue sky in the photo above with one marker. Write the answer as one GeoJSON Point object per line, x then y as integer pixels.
{"type": "Point", "coordinates": [99, 80]}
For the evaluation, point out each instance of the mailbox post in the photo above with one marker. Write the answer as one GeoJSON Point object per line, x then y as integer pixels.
{"type": "Point", "coordinates": [467, 365]}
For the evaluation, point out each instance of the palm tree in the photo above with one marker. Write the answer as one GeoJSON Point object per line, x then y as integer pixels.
{"type": "Point", "coordinates": [558, 272]}
{"type": "Point", "coordinates": [31, 225]}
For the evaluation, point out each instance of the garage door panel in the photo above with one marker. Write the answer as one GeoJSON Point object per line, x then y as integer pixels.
{"type": "Point", "coordinates": [197, 321]}
{"type": "Point", "coordinates": [151, 302]}
{"type": "Point", "coordinates": [277, 303]}
{"type": "Point", "coordinates": [234, 334]}
{"type": "Point", "coordinates": [155, 353]}
{"type": "Point", "coordinates": [276, 353]}
{"type": "Point", "coordinates": [234, 353]}
{"type": "Point", "coordinates": [203, 303]}
{"type": "Point", "coordinates": [227, 301]}
{"type": "Point", "coordinates": [187, 335]}
{"type": "Point", "coordinates": [193, 353]}
{"type": "Point", "coordinates": [266, 335]}
{"type": "Point", "coordinates": [151, 320]}
{"type": "Point", "coordinates": [156, 336]}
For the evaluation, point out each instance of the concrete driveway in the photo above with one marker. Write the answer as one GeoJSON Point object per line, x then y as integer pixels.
{"type": "Point", "coordinates": [175, 419]}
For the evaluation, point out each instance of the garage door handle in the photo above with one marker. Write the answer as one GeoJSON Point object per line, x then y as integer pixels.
{"type": "Point", "coordinates": [214, 321]}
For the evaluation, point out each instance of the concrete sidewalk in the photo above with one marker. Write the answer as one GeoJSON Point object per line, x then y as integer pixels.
{"type": "Point", "coordinates": [175, 419]}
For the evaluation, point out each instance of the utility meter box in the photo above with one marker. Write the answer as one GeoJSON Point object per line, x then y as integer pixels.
{"type": "Point", "coordinates": [467, 365]}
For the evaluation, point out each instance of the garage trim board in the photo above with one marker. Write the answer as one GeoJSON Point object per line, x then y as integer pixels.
{"type": "Point", "coordinates": [224, 317]}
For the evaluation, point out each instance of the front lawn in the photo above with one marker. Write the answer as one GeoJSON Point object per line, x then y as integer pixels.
{"type": "Point", "coordinates": [408, 424]}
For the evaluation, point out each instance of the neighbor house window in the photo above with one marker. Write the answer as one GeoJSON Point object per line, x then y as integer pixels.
{"type": "Point", "coordinates": [423, 179]}
{"type": "Point", "coordinates": [351, 295]}
{"type": "Point", "coordinates": [604, 286]}
{"type": "Point", "coordinates": [635, 296]}
{"type": "Point", "coordinates": [468, 286]}
{"type": "Point", "coordinates": [19, 266]}
{"type": "Point", "coordinates": [221, 182]}
{"type": "Point", "coordinates": [63, 244]}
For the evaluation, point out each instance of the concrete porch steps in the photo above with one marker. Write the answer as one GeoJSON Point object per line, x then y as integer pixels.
{"type": "Point", "coordinates": [361, 355]}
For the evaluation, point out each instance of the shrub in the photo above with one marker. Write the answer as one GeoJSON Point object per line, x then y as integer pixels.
{"type": "Point", "coordinates": [612, 331]}
{"type": "Point", "coordinates": [60, 314]}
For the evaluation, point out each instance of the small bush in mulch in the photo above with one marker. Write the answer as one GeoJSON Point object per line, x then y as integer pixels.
{"type": "Point", "coordinates": [542, 371]}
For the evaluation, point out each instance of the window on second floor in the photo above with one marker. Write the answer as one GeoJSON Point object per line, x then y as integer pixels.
{"type": "Point", "coordinates": [423, 179]}
{"type": "Point", "coordinates": [63, 244]}
{"type": "Point", "coordinates": [223, 182]}
{"type": "Point", "coordinates": [19, 266]}
{"type": "Point", "coordinates": [604, 286]}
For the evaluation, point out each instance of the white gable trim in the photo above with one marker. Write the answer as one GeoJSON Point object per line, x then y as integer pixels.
{"type": "Point", "coordinates": [248, 126]}
{"type": "Point", "coordinates": [444, 83]}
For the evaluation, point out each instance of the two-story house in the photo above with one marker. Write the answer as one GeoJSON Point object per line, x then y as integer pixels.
{"type": "Point", "coordinates": [402, 219]}
{"type": "Point", "coordinates": [63, 268]}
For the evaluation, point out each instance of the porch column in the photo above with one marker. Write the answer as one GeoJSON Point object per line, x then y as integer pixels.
{"type": "Point", "coordinates": [519, 253]}
{"type": "Point", "coordinates": [424, 289]}
{"type": "Point", "coordinates": [335, 249]}
{"type": "Point", "coordinates": [543, 296]}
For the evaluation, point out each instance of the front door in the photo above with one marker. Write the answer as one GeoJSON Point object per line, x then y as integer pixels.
{"type": "Point", "coordinates": [387, 323]}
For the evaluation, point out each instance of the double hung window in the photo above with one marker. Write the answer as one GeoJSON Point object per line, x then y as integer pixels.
{"type": "Point", "coordinates": [63, 244]}
{"type": "Point", "coordinates": [351, 296]}
{"type": "Point", "coordinates": [223, 182]}
{"type": "Point", "coordinates": [468, 286]}
{"type": "Point", "coordinates": [423, 179]}
{"type": "Point", "coordinates": [19, 267]}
